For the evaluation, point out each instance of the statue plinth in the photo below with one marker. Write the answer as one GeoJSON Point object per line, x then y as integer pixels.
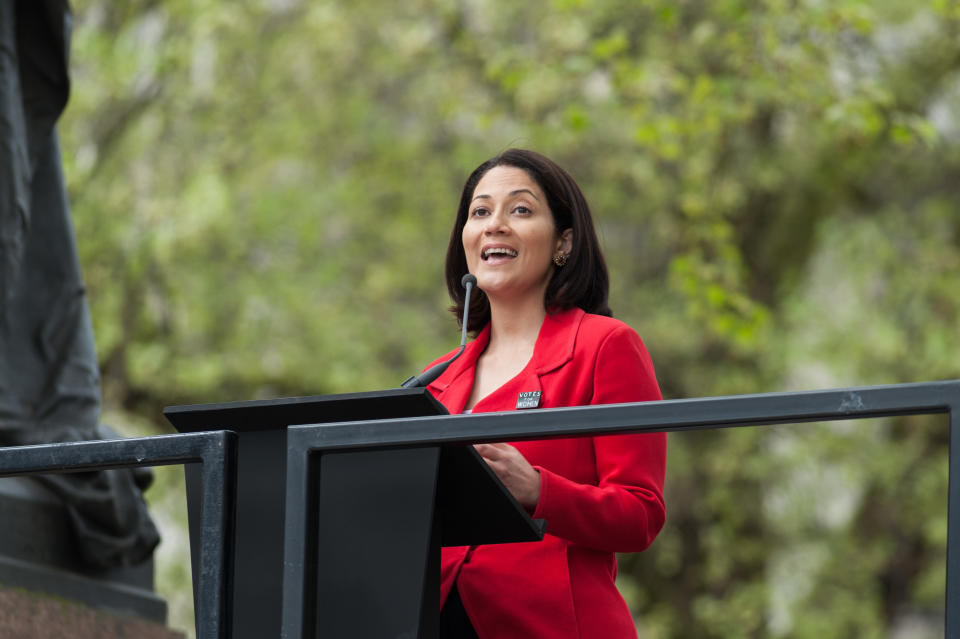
{"type": "Point", "coordinates": [39, 553]}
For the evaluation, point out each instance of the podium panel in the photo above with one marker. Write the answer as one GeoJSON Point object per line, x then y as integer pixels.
{"type": "Point", "coordinates": [345, 543]}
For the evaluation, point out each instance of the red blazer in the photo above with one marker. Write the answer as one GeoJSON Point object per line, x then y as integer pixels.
{"type": "Point", "coordinates": [599, 495]}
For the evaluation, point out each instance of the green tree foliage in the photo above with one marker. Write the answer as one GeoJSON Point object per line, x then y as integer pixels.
{"type": "Point", "coordinates": [263, 192]}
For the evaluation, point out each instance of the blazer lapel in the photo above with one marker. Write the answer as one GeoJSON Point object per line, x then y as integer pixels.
{"type": "Point", "coordinates": [556, 340]}
{"type": "Point", "coordinates": [554, 348]}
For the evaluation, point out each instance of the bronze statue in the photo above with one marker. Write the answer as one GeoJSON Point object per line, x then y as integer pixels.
{"type": "Point", "coordinates": [49, 381]}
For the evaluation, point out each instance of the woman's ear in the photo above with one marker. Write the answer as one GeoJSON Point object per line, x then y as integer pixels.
{"type": "Point", "coordinates": [565, 242]}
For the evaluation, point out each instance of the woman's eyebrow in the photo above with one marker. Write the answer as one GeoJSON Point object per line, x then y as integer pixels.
{"type": "Point", "coordinates": [518, 191]}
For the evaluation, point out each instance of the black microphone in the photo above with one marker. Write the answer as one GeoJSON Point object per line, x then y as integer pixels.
{"type": "Point", "coordinates": [427, 376]}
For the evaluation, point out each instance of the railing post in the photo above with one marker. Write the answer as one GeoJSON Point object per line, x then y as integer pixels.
{"type": "Point", "coordinates": [952, 605]}
{"type": "Point", "coordinates": [216, 550]}
{"type": "Point", "coordinates": [296, 601]}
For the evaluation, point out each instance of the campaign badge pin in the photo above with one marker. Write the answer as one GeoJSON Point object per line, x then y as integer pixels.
{"type": "Point", "coordinates": [530, 399]}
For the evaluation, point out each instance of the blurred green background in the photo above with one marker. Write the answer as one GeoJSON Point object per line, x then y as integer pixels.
{"type": "Point", "coordinates": [263, 192]}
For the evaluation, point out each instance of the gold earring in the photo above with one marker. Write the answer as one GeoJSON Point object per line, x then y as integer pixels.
{"type": "Point", "coordinates": [560, 259]}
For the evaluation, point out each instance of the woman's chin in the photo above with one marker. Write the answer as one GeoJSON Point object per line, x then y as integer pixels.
{"type": "Point", "coordinates": [501, 290]}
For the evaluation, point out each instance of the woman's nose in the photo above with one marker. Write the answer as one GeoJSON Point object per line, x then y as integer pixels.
{"type": "Point", "coordinates": [496, 223]}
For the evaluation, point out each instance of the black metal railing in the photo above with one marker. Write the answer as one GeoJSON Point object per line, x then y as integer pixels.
{"type": "Point", "coordinates": [216, 452]}
{"type": "Point", "coordinates": [663, 416]}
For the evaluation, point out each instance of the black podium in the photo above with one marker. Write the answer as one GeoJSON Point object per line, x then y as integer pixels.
{"type": "Point", "coordinates": [368, 523]}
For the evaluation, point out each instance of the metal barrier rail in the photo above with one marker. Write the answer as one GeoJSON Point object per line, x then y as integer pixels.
{"type": "Point", "coordinates": [214, 450]}
{"type": "Point", "coordinates": [672, 415]}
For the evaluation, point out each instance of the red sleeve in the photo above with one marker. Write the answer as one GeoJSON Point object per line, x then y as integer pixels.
{"type": "Point", "coordinates": [625, 510]}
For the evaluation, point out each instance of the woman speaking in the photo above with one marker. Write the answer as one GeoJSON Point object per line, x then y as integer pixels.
{"type": "Point", "coordinates": [545, 340]}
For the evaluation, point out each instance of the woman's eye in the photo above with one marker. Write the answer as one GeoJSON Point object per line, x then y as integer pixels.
{"type": "Point", "coordinates": [522, 210]}
{"type": "Point", "coordinates": [479, 212]}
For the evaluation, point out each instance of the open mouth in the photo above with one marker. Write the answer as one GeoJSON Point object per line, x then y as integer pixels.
{"type": "Point", "coordinates": [497, 253]}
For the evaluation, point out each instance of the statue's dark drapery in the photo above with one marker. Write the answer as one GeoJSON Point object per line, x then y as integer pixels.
{"type": "Point", "coordinates": [49, 384]}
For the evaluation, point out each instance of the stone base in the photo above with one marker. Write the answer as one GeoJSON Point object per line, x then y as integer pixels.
{"type": "Point", "coordinates": [38, 553]}
{"type": "Point", "coordinates": [28, 615]}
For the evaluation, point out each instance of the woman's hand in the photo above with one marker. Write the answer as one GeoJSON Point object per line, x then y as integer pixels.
{"type": "Point", "coordinates": [516, 473]}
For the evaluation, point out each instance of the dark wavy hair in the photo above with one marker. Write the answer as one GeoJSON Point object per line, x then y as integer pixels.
{"type": "Point", "coordinates": [582, 282]}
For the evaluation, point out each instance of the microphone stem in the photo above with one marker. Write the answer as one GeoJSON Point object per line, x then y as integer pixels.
{"type": "Point", "coordinates": [466, 314]}
{"type": "Point", "coordinates": [431, 374]}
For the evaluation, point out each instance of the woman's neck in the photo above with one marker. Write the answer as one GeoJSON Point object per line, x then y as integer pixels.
{"type": "Point", "coordinates": [515, 325]}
